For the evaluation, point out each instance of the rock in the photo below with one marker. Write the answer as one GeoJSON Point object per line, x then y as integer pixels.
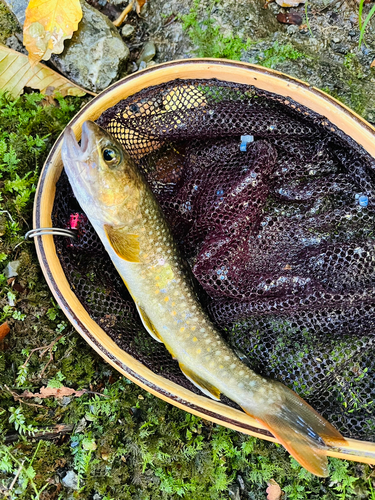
{"type": "Point", "coordinates": [18, 7]}
{"type": "Point", "coordinates": [10, 270]}
{"type": "Point", "coordinates": [148, 52]}
{"type": "Point", "coordinates": [234, 492]}
{"type": "Point", "coordinates": [70, 480]}
{"type": "Point", "coordinates": [15, 42]}
{"type": "Point", "coordinates": [142, 65]}
{"type": "Point", "coordinates": [95, 55]}
{"type": "Point", "coordinates": [241, 482]}
{"type": "Point", "coordinates": [127, 30]}
{"type": "Point", "coordinates": [81, 425]}
{"type": "Point", "coordinates": [248, 18]}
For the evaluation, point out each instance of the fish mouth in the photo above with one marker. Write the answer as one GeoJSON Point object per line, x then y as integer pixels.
{"type": "Point", "coordinates": [80, 152]}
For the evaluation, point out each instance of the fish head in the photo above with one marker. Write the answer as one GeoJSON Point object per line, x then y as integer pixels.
{"type": "Point", "coordinates": [102, 174]}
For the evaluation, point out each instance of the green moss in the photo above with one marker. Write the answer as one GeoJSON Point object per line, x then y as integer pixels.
{"type": "Point", "coordinates": [278, 53]}
{"type": "Point", "coordinates": [210, 42]}
{"type": "Point", "coordinates": [8, 24]}
{"type": "Point", "coordinates": [207, 37]}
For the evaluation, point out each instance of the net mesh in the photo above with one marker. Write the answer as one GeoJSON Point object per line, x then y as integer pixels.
{"type": "Point", "coordinates": [279, 238]}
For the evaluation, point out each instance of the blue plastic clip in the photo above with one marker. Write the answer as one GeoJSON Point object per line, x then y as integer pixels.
{"type": "Point", "coordinates": [363, 201]}
{"type": "Point", "coordinates": [245, 140]}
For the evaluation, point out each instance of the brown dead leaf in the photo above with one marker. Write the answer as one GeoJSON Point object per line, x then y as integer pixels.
{"type": "Point", "coordinates": [372, 65]}
{"type": "Point", "coordinates": [289, 18]}
{"type": "Point", "coordinates": [47, 24]}
{"type": "Point", "coordinates": [4, 330]}
{"type": "Point", "coordinates": [16, 73]}
{"type": "Point", "coordinates": [273, 491]}
{"type": "Point", "coordinates": [139, 5]}
{"type": "Point", "coordinates": [55, 392]}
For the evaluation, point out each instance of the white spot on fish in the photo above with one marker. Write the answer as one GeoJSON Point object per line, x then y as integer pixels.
{"type": "Point", "coordinates": [232, 366]}
{"type": "Point", "coordinates": [241, 385]}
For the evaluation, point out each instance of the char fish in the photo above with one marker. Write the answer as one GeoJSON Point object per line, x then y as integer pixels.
{"type": "Point", "coordinates": [127, 217]}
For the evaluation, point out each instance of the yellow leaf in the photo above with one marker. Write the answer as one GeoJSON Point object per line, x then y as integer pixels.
{"type": "Point", "coordinates": [16, 73]}
{"type": "Point", "coordinates": [47, 24]}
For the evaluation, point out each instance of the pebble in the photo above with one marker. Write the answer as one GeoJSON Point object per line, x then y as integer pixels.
{"type": "Point", "coordinates": [128, 30]}
{"type": "Point", "coordinates": [148, 52]}
{"type": "Point", "coordinates": [234, 492]}
{"type": "Point", "coordinates": [142, 65]}
{"type": "Point", "coordinates": [70, 480]}
{"type": "Point", "coordinates": [10, 270]}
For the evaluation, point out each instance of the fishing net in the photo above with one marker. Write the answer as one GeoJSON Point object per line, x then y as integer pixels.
{"type": "Point", "coordinates": [279, 234]}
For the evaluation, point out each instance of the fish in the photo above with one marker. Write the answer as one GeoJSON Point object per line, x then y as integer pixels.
{"type": "Point", "coordinates": [124, 212]}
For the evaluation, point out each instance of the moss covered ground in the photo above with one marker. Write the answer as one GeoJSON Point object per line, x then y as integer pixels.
{"type": "Point", "coordinates": [115, 440]}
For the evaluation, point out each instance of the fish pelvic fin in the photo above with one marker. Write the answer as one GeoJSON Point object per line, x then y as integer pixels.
{"type": "Point", "coordinates": [147, 323]}
{"type": "Point", "coordinates": [207, 388]}
{"type": "Point", "coordinates": [126, 245]}
{"type": "Point", "coordinates": [304, 433]}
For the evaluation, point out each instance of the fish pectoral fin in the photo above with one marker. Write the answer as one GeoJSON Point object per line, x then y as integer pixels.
{"type": "Point", "coordinates": [300, 429]}
{"type": "Point", "coordinates": [147, 323]}
{"type": "Point", "coordinates": [126, 245]}
{"type": "Point", "coordinates": [205, 387]}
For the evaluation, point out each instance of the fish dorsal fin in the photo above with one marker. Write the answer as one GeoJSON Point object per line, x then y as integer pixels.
{"type": "Point", "coordinates": [147, 323]}
{"type": "Point", "coordinates": [205, 387]}
{"type": "Point", "coordinates": [126, 245]}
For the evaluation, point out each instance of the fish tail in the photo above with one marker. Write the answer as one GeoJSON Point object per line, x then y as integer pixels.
{"type": "Point", "coordinates": [300, 429]}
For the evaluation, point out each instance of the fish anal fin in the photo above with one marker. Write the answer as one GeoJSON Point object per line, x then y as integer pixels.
{"type": "Point", "coordinates": [202, 385]}
{"type": "Point", "coordinates": [147, 323]}
{"type": "Point", "coordinates": [126, 245]}
{"type": "Point", "coordinates": [299, 428]}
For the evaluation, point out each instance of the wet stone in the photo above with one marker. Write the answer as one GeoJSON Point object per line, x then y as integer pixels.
{"type": "Point", "coordinates": [148, 52]}
{"type": "Point", "coordinates": [70, 480]}
{"type": "Point", "coordinates": [127, 31]}
{"type": "Point", "coordinates": [10, 270]}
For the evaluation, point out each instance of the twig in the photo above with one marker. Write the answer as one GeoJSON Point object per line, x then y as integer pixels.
{"type": "Point", "coordinates": [16, 476]}
{"type": "Point", "coordinates": [121, 18]}
{"type": "Point", "coordinates": [49, 435]}
{"type": "Point", "coordinates": [17, 397]}
{"type": "Point", "coordinates": [44, 349]}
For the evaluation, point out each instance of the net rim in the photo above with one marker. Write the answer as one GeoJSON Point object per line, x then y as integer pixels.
{"type": "Point", "coordinates": [197, 68]}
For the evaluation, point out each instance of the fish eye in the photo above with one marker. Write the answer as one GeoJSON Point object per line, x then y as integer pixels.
{"type": "Point", "coordinates": [111, 156]}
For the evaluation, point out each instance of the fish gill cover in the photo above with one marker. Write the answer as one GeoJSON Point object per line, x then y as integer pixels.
{"type": "Point", "coordinates": [280, 238]}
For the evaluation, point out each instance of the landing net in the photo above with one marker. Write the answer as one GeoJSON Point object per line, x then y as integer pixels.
{"type": "Point", "coordinates": [279, 233]}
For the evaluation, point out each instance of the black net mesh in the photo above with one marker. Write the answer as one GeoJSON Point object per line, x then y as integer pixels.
{"type": "Point", "coordinates": [280, 238]}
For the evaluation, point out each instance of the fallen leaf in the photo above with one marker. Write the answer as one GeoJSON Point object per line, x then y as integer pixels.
{"type": "Point", "coordinates": [289, 18]}
{"type": "Point", "coordinates": [16, 73]}
{"type": "Point", "coordinates": [55, 392]}
{"type": "Point", "coordinates": [139, 5]}
{"type": "Point", "coordinates": [372, 65]}
{"type": "Point", "coordinates": [47, 24]}
{"type": "Point", "coordinates": [4, 330]}
{"type": "Point", "coordinates": [273, 491]}
{"type": "Point", "coordinates": [289, 3]}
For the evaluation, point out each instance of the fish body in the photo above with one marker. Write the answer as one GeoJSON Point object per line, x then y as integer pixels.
{"type": "Point", "coordinates": [127, 217]}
